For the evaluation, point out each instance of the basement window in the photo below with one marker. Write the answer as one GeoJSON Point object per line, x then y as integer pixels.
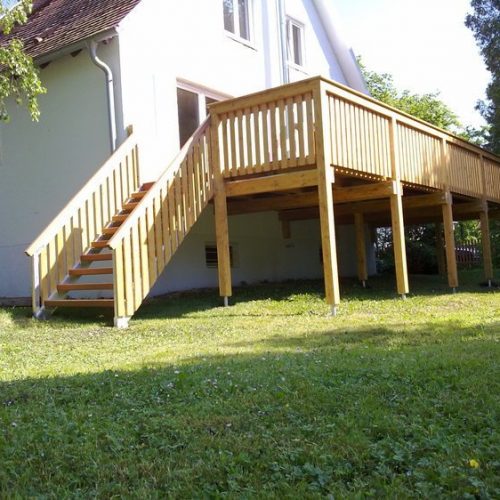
{"type": "Point", "coordinates": [237, 18]}
{"type": "Point", "coordinates": [295, 42]}
{"type": "Point", "coordinates": [211, 256]}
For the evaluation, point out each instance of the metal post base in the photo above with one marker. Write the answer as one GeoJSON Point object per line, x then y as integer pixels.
{"type": "Point", "coordinates": [403, 296]}
{"type": "Point", "coordinates": [334, 311]}
{"type": "Point", "coordinates": [41, 314]}
{"type": "Point", "coordinates": [121, 323]}
{"type": "Point", "coordinates": [226, 301]}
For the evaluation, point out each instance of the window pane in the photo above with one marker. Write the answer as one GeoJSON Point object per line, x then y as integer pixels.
{"type": "Point", "coordinates": [297, 45]}
{"type": "Point", "coordinates": [244, 19]}
{"type": "Point", "coordinates": [189, 118]}
{"type": "Point", "coordinates": [228, 15]}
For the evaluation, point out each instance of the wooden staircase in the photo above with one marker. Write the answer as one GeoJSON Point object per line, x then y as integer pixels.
{"type": "Point", "coordinates": [98, 253]}
{"type": "Point", "coordinates": [110, 244]}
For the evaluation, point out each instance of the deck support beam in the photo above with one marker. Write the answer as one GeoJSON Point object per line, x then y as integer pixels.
{"type": "Point", "coordinates": [399, 244]}
{"type": "Point", "coordinates": [449, 238]}
{"type": "Point", "coordinates": [326, 179]}
{"type": "Point", "coordinates": [486, 244]}
{"type": "Point", "coordinates": [359, 225]}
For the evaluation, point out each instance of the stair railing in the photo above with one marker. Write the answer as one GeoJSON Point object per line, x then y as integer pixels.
{"type": "Point", "coordinates": [59, 246]}
{"type": "Point", "coordinates": [146, 241]}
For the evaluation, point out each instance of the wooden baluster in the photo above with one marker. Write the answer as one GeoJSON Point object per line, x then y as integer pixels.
{"type": "Point", "coordinates": [121, 318]}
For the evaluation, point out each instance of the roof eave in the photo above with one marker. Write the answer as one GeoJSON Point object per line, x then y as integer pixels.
{"type": "Point", "coordinates": [81, 44]}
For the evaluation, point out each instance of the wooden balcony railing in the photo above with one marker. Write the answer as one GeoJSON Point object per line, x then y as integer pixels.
{"type": "Point", "coordinates": [149, 237]}
{"type": "Point", "coordinates": [59, 246]}
{"type": "Point", "coordinates": [274, 130]}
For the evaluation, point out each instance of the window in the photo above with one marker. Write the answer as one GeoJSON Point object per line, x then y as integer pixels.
{"type": "Point", "coordinates": [237, 17]}
{"type": "Point", "coordinates": [211, 256]}
{"type": "Point", "coordinates": [295, 42]}
{"type": "Point", "coordinates": [192, 107]}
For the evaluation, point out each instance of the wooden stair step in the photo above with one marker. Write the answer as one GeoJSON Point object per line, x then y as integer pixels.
{"type": "Point", "coordinates": [82, 271]}
{"type": "Point", "coordinates": [138, 195]}
{"type": "Point", "coordinates": [147, 186]}
{"type": "Point", "coordinates": [99, 244]}
{"type": "Point", "coordinates": [68, 287]}
{"type": "Point", "coordinates": [110, 229]}
{"type": "Point", "coordinates": [80, 303]}
{"type": "Point", "coordinates": [96, 257]}
{"type": "Point", "coordinates": [129, 205]}
{"type": "Point", "coordinates": [120, 217]}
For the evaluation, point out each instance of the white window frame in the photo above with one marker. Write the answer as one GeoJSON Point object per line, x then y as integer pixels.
{"type": "Point", "coordinates": [250, 42]}
{"type": "Point", "coordinates": [202, 93]}
{"type": "Point", "coordinates": [290, 23]}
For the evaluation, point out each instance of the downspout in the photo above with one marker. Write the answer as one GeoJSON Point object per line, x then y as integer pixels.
{"type": "Point", "coordinates": [285, 77]}
{"type": "Point", "coordinates": [110, 91]}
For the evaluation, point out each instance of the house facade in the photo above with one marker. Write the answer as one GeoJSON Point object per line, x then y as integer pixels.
{"type": "Point", "coordinates": [158, 66]}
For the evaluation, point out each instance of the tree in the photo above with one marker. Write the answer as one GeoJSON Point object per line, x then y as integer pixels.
{"type": "Point", "coordinates": [19, 78]}
{"type": "Point", "coordinates": [485, 24]}
{"type": "Point", "coordinates": [427, 106]}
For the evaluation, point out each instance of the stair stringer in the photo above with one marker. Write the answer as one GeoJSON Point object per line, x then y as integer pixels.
{"type": "Point", "coordinates": [151, 235]}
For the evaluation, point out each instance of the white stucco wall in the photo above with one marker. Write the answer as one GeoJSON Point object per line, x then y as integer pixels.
{"type": "Point", "coordinates": [260, 252]}
{"type": "Point", "coordinates": [44, 164]}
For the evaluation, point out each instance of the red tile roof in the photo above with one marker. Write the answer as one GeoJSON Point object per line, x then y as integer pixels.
{"type": "Point", "coordinates": [55, 24]}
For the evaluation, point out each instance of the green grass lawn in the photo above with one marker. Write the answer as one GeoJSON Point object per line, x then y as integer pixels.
{"type": "Point", "coordinates": [268, 398]}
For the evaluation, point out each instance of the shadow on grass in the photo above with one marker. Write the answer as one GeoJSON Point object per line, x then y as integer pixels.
{"type": "Point", "coordinates": [318, 420]}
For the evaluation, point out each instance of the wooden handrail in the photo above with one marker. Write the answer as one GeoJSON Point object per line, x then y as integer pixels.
{"type": "Point", "coordinates": [153, 192]}
{"type": "Point", "coordinates": [52, 229]}
{"type": "Point", "coordinates": [264, 96]}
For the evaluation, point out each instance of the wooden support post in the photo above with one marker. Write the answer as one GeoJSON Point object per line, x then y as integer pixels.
{"type": "Point", "coordinates": [486, 243]}
{"type": "Point", "coordinates": [397, 220]}
{"type": "Point", "coordinates": [449, 238]}
{"type": "Point", "coordinates": [399, 245]}
{"type": "Point", "coordinates": [221, 224]}
{"type": "Point", "coordinates": [326, 179]}
{"type": "Point", "coordinates": [441, 262]}
{"type": "Point", "coordinates": [38, 306]}
{"type": "Point", "coordinates": [359, 225]}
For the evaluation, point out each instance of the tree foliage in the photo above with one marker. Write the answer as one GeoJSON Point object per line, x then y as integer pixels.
{"type": "Point", "coordinates": [19, 78]}
{"type": "Point", "coordinates": [485, 24]}
{"type": "Point", "coordinates": [426, 106]}
{"type": "Point", "coordinates": [421, 240]}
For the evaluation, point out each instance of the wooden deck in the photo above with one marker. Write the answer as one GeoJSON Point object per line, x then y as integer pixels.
{"type": "Point", "coordinates": [312, 149]}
